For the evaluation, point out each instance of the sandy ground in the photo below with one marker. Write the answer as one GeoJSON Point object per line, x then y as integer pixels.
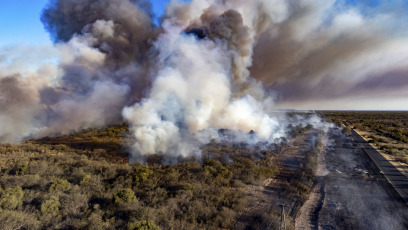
{"type": "Point", "coordinates": [350, 193]}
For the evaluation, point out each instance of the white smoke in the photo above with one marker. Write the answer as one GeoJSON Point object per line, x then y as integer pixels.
{"type": "Point", "coordinates": [191, 97]}
{"type": "Point", "coordinates": [195, 78]}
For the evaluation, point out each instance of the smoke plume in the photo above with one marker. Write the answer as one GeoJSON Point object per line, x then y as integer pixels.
{"type": "Point", "coordinates": [202, 70]}
{"type": "Point", "coordinates": [327, 53]}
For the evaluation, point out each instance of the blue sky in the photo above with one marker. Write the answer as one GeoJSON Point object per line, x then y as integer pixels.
{"type": "Point", "coordinates": [20, 21]}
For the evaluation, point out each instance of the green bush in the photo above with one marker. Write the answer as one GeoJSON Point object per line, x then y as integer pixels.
{"type": "Point", "coordinates": [143, 225]}
{"type": "Point", "coordinates": [124, 195]}
{"type": "Point", "coordinates": [50, 206]}
{"type": "Point", "coordinates": [85, 180]}
{"type": "Point", "coordinates": [60, 185]}
{"type": "Point", "coordinates": [11, 198]}
{"type": "Point", "coordinates": [224, 172]}
{"type": "Point", "coordinates": [142, 174]}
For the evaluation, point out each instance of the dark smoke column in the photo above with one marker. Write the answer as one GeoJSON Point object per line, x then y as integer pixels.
{"type": "Point", "coordinates": [120, 28]}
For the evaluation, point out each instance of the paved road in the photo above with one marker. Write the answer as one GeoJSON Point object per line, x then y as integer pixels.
{"type": "Point", "coordinates": [351, 193]}
{"type": "Point", "coordinates": [398, 180]}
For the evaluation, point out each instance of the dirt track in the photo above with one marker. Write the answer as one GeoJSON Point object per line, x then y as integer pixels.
{"type": "Point", "coordinates": [350, 193]}
{"type": "Point", "coordinates": [267, 197]}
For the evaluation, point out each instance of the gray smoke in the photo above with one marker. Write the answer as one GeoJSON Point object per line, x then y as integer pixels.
{"type": "Point", "coordinates": [118, 28]}
{"type": "Point", "coordinates": [203, 69]}
{"type": "Point", "coordinates": [17, 107]}
{"type": "Point", "coordinates": [100, 63]}
{"type": "Point", "coordinates": [326, 54]}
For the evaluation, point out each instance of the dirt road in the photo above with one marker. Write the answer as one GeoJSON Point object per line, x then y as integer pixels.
{"type": "Point", "coordinates": [266, 198]}
{"type": "Point", "coordinates": [350, 193]}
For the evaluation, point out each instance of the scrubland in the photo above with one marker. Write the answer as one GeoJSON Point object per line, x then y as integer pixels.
{"type": "Point", "coordinates": [83, 181]}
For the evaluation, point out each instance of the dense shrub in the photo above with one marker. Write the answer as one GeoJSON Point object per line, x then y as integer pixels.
{"type": "Point", "coordinates": [50, 206]}
{"type": "Point", "coordinates": [143, 225]}
{"type": "Point", "coordinates": [11, 198]}
{"type": "Point", "coordinates": [23, 169]}
{"type": "Point", "coordinates": [68, 182]}
{"type": "Point", "coordinates": [124, 195]}
{"type": "Point", "coordinates": [142, 174]}
{"type": "Point", "coordinates": [60, 185]}
{"type": "Point", "coordinates": [18, 220]}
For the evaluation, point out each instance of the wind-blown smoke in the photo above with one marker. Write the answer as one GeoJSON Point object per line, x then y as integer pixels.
{"type": "Point", "coordinates": [178, 84]}
{"type": "Point", "coordinates": [326, 54]}
{"type": "Point", "coordinates": [193, 94]}
{"type": "Point", "coordinates": [101, 49]}
{"type": "Point", "coordinates": [118, 28]}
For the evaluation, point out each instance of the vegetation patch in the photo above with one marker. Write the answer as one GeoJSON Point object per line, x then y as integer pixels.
{"type": "Point", "coordinates": [80, 181]}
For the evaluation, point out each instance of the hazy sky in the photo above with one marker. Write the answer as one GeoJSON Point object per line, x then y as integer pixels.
{"type": "Point", "coordinates": [359, 63]}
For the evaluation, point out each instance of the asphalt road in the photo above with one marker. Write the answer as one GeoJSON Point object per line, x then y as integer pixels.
{"type": "Point", "coordinates": [398, 180]}
{"type": "Point", "coordinates": [350, 191]}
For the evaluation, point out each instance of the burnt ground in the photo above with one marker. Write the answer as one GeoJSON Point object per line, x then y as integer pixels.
{"type": "Point", "coordinates": [350, 192]}
{"type": "Point", "coordinates": [264, 209]}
